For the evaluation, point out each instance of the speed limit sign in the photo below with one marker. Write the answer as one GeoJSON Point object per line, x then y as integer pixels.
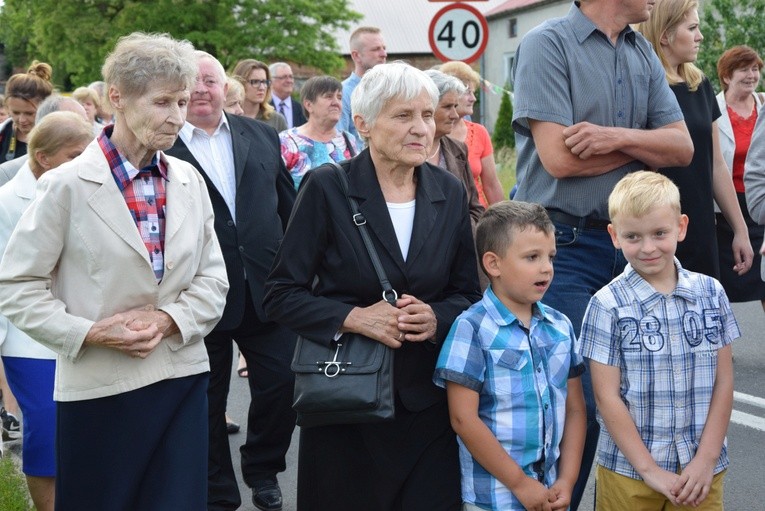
{"type": "Point", "coordinates": [458, 32]}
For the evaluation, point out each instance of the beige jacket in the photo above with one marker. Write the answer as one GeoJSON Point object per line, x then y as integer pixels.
{"type": "Point", "coordinates": [76, 257]}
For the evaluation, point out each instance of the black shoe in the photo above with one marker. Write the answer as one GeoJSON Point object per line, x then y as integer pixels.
{"type": "Point", "coordinates": [232, 427]}
{"type": "Point", "coordinates": [267, 496]}
{"type": "Point", "coordinates": [10, 425]}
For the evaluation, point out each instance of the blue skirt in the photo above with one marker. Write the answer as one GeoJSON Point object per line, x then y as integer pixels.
{"type": "Point", "coordinates": [31, 381]}
{"type": "Point", "coordinates": [143, 449]}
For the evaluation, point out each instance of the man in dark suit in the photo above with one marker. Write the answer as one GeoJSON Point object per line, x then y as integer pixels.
{"type": "Point", "coordinates": [252, 195]}
{"type": "Point", "coordinates": [282, 86]}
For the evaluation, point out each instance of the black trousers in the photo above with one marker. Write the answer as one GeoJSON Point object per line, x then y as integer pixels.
{"type": "Point", "coordinates": [144, 449]}
{"type": "Point", "coordinates": [268, 349]}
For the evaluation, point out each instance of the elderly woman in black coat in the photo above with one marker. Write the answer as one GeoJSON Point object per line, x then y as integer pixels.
{"type": "Point", "coordinates": [323, 283]}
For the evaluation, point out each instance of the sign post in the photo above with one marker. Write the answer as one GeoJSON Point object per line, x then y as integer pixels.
{"type": "Point", "coordinates": [458, 32]}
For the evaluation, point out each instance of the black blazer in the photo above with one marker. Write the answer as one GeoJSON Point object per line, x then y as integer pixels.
{"type": "Point", "coordinates": [298, 117]}
{"type": "Point", "coordinates": [322, 241]}
{"type": "Point", "coordinates": [265, 194]}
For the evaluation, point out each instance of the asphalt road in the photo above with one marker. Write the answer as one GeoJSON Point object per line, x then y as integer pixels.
{"type": "Point", "coordinates": [746, 434]}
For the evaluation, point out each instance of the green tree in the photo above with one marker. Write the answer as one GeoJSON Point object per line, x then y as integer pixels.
{"type": "Point", "coordinates": [503, 135]}
{"type": "Point", "coordinates": [727, 23]}
{"type": "Point", "coordinates": [74, 36]}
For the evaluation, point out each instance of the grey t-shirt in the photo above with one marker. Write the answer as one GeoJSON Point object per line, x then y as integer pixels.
{"type": "Point", "coordinates": [567, 71]}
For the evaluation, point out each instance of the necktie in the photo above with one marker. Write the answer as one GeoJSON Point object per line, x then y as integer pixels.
{"type": "Point", "coordinates": [281, 108]}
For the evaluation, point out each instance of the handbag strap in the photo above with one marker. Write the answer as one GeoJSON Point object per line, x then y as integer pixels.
{"type": "Point", "coordinates": [389, 294]}
{"type": "Point", "coordinates": [348, 144]}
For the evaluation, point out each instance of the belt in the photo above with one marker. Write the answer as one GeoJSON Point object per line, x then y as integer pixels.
{"type": "Point", "coordinates": [582, 222]}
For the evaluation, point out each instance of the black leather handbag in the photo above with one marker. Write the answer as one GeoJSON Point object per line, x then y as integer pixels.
{"type": "Point", "coordinates": [351, 380]}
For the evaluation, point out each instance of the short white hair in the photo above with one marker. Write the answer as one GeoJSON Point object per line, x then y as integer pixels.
{"type": "Point", "coordinates": [140, 60]}
{"type": "Point", "coordinates": [276, 65]}
{"type": "Point", "coordinates": [385, 82]}
{"type": "Point", "coordinates": [446, 83]}
{"type": "Point", "coordinates": [203, 55]}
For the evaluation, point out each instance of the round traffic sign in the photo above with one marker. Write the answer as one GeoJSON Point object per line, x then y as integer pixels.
{"type": "Point", "coordinates": [458, 32]}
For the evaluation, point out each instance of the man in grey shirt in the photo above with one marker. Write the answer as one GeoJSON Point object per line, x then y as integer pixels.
{"type": "Point", "coordinates": [592, 100]}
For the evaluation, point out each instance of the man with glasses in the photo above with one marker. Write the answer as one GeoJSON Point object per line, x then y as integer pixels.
{"type": "Point", "coordinates": [282, 86]}
{"type": "Point", "coordinates": [252, 197]}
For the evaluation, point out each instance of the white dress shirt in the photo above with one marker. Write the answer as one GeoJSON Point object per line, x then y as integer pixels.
{"type": "Point", "coordinates": [215, 153]}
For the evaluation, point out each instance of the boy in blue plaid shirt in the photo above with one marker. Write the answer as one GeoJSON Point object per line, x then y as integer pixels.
{"type": "Point", "coordinates": [659, 342]}
{"type": "Point", "coordinates": [511, 371]}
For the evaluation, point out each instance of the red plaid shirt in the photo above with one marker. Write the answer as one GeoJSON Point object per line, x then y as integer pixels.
{"type": "Point", "coordinates": [144, 193]}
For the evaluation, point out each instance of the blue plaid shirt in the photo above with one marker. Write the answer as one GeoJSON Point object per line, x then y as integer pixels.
{"type": "Point", "coordinates": [521, 377]}
{"type": "Point", "coordinates": [666, 348]}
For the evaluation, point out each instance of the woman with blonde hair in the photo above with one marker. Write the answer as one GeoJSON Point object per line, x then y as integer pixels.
{"type": "Point", "coordinates": [257, 93]}
{"type": "Point", "coordinates": [234, 95]}
{"type": "Point", "coordinates": [30, 366]}
{"type": "Point", "coordinates": [673, 30]}
{"type": "Point", "coordinates": [475, 136]}
{"type": "Point", "coordinates": [23, 93]}
{"type": "Point", "coordinates": [89, 100]}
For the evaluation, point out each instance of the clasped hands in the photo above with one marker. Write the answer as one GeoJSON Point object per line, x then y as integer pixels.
{"type": "Point", "coordinates": [410, 320]}
{"type": "Point", "coordinates": [135, 332]}
{"type": "Point", "coordinates": [585, 140]}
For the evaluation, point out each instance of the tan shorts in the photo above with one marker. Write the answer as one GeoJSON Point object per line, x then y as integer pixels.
{"type": "Point", "coordinates": [616, 492]}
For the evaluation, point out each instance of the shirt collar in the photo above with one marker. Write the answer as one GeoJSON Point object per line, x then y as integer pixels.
{"type": "Point", "coordinates": [501, 315]}
{"type": "Point", "coordinates": [122, 170]}
{"type": "Point", "coordinates": [189, 130]}
{"type": "Point", "coordinates": [649, 297]}
{"type": "Point", "coordinates": [583, 26]}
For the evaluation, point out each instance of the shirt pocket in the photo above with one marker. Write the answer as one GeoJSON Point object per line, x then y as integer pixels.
{"type": "Point", "coordinates": [640, 89]}
{"type": "Point", "coordinates": [559, 364]}
{"type": "Point", "coordinates": [509, 368]}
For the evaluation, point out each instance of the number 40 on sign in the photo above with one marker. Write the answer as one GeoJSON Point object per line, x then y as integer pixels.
{"type": "Point", "coordinates": [458, 32]}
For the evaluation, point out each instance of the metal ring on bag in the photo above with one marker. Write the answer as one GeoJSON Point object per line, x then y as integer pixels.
{"type": "Point", "coordinates": [395, 295]}
{"type": "Point", "coordinates": [332, 373]}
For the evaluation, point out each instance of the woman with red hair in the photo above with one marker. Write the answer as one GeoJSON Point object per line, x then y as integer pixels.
{"type": "Point", "coordinates": [739, 70]}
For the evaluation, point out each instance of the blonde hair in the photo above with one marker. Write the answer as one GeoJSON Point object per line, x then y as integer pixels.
{"type": "Point", "coordinates": [55, 131]}
{"type": "Point", "coordinates": [235, 89]}
{"type": "Point", "coordinates": [463, 72]}
{"type": "Point", "coordinates": [664, 20]}
{"type": "Point", "coordinates": [638, 193]}
{"type": "Point", "coordinates": [355, 41]}
{"type": "Point", "coordinates": [84, 93]}
{"type": "Point", "coordinates": [243, 69]}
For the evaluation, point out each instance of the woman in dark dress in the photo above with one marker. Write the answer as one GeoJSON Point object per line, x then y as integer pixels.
{"type": "Point", "coordinates": [323, 283]}
{"type": "Point", "coordinates": [739, 70]}
{"type": "Point", "coordinates": [673, 29]}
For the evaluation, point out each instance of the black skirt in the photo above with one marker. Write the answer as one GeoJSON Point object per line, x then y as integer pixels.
{"type": "Point", "coordinates": [749, 286]}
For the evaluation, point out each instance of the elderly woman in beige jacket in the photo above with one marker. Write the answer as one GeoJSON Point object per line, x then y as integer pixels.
{"type": "Point", "coordinates": [116, 267]}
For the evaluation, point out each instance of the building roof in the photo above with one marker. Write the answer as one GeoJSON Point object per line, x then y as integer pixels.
{"type": "Point", "coordinates": [404, 23]}
{"type": "Point", "coordinates": [512, 5]}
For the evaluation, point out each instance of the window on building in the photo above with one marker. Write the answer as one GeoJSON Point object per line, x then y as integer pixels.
{"type": "Point", "coordinates": [512, 27]}
{"type": "Point", "coordinates": [509, 60]}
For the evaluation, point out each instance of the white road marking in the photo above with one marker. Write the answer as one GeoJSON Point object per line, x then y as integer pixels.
{"type": "Point", "coordinates": [748, 399]}
{"type": "Point", "coordinates": [747, 419]}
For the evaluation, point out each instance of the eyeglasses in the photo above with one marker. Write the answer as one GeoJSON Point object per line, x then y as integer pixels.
{"type": "Point", "coordinates": [260, 83]}
{"type": "Point", "coordinates": [284, 77]}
